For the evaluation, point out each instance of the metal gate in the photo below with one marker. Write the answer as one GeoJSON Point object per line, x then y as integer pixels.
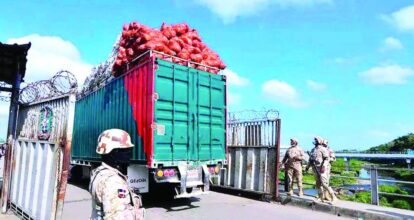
{"type": "Point", "coordinates": [253, 155]}
{"type": "Point", "coordinates": [40, 158]}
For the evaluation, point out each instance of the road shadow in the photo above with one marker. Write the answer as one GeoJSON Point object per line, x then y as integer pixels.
{"type": "Point", "coordinates": [168, 203]}
{"type": "Point", "coordinates": [83, 183]}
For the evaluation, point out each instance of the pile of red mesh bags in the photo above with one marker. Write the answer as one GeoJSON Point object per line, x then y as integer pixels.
{"type": "Point", "coordinates": [175, 40]}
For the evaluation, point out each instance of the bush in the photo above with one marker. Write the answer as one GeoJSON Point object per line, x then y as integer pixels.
{"type": "Point", "coordinates": [384, 202]}
{"type": "Point", "coordinates": [339, 165]}
{"type": "Point", "coordinates": [363, 197]}
{"type": "Point", "coordinates": [401, 204]}
{"type": "Point", "coordinates": [338, 181]}
{"type": "Point", "coordinates": [281, 175]}
{"type": "Point", "coordinates": [392, 189]}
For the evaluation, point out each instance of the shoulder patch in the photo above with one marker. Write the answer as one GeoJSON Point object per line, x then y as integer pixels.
{"type": "Point", "coordinates": [121, 193]}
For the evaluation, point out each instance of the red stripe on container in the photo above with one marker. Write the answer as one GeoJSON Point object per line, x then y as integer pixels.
{"type": "Point", "coordinates": [139, 86]}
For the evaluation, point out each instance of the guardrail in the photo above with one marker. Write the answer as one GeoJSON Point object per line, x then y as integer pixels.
{"type": "Point", "coordinates": [374, 183]}
{"type": "Point", "coordinates": [375, 152]}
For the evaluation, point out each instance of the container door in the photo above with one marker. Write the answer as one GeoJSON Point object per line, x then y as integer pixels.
{"type": "Point", "coordinates": [174, 124]}
{"type": "Point", "coordinates": [210, 107]}
{"type": "Point", "coordinates": [189, 114]}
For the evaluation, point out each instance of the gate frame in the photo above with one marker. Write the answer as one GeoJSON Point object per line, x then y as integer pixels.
{"type": "Point", "coordinates": [225, 175]}
{"type": "Point", "coordinates": [64, 143]}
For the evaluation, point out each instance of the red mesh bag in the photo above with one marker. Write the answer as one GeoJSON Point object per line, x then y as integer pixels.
{"type": "Point", "coordinates": [172, 40]}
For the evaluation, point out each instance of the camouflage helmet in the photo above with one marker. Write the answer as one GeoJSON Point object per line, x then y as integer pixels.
{"type": "Point", "coordinates": [318, 140]}
{"type": "Point", "coordinates": [113, 139]}
{"type": "Point", "coordinates": [325, 143]}
{"type": "Point", "coordinates": [294, 142]}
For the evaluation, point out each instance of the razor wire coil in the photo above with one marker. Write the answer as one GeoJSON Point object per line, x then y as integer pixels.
{"type": "Point", "coordinates": [63, 82]}
{"type": "Point", "coordinates": [253, 115]}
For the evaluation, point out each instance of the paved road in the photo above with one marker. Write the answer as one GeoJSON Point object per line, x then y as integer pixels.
{"type": "Point", "coordinates": [211, 206]}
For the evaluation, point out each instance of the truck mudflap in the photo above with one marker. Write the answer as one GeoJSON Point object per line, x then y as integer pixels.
{"type": "Point", "coordinates": [194, 181]}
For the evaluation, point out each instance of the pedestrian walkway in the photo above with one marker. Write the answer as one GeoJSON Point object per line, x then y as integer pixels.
{"type": "Point", "coordinates": [347, 208]}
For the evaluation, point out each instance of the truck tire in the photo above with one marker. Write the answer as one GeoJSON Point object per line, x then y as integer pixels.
{"type": "Point", "coordinates": [76, 174]}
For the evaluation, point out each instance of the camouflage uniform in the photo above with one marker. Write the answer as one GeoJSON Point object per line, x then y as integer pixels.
{"type": "Point", "coordinates": [332, 158]}
{"type": "Point", "coordinates": [320, 156]}
{"type": "Point", "coordinates": [293, 158]}
{"type": "Point", "coordinates": [111, 196]}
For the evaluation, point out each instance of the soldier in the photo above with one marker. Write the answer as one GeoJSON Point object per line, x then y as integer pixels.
{"type": "Point", "coordinates": [319, 159]}
{"type": "Point", "coordinates": [111, 196]}
{"type": "Point", "coordinates": [331, 159]}
{"type": "Point", "coordinates": [293, 158]}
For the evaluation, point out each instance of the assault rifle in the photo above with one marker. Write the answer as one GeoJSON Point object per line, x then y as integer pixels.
{"type": "Point", "coordinates": [315, 168]}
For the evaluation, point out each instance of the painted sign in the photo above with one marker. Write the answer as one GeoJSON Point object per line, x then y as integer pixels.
{"type": "Point", "coordinates": [138, 177]}
{"type": "Point", "coordinates": [45, 123]}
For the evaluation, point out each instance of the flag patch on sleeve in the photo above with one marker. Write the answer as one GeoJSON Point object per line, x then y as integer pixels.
{"type": "Point", "coordinates": [121, 193]}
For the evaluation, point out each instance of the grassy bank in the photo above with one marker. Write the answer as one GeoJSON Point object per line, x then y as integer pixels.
{"type": "Point", "coordinates": [339, 168]}
{"type": "Point", "coordinates": [388, 201]}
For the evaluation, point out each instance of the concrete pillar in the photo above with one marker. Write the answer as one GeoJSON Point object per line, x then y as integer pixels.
{"type": "Point", "coordinates": [408, 163]}
{"type": "Point", "coordinates": [374, 186]}
{"type": "Point", "coordinates": [346, 163]}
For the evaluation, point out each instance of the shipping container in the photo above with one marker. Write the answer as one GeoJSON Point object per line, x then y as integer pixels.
{"type": "Point", "coordinates": [175, 114]}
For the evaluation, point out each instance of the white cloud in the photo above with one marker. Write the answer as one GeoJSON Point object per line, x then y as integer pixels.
{"type": "Point", "coordinates": [50, 54]}
{"type": "Point", "coordinates": [391, 43]}
{"type": "Point", "coordinates": [233, 98]}
{"type": "Point", "coordinates": [316, 86]}
{"type": "Point", "coordinates": [234, 79]}
{"type": "Point", "coordinates": [229, 10]}
{"type": "Point", "coordinates": [389, 74]}
{"type": "Point", "coordinates": [403, 19]}
{"type": "Point", "coordinates": [282, 92]}
{"type": "Point", "coordinates": [379, 134]}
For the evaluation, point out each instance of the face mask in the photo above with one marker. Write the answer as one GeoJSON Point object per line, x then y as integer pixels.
{"type": "Point", "coordinates": [118, 159]}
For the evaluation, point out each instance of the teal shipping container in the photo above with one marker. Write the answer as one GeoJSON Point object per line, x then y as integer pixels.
{"type": "Point", "coordinates": [174, 114]}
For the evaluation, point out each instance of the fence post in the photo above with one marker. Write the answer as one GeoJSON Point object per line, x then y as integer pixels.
{"type": "Point", "coordinates": [374, 185]}
{"type": "Point", "coordinates": [277, 148]}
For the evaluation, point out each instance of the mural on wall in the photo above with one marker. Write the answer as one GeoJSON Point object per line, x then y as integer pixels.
{"type": "Point", "coordinates": [45, 123]}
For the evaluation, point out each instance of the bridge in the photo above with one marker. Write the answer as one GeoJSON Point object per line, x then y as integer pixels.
{"type": "Point", "coordinates": [384, 156]}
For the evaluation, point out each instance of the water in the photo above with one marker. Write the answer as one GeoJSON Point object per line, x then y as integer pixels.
{"type": "Point", "coordinates": [365, 184]}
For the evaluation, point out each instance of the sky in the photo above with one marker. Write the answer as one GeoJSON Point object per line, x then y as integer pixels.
{"type": "Point", "coordinates": [342, 70]}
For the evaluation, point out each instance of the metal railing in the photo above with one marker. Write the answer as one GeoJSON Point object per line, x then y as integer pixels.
{"type": "Point", "coordinates": [375, 152]}
{"type": "Point", "coordinates": [374, 183]}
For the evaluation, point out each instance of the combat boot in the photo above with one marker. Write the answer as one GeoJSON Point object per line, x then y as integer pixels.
{"type": "Point", "coordinates": [300, 194]}
{"type": "Point", "coordinates": [321, 197]}
{"type": "Point", "coordinates": [332, 196]}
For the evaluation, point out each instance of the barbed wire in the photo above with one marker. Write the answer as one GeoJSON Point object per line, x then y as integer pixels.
{"type": "Point", "coordinates": [251, 115]}
{"type": "Point", "coordinates": [63, 82]}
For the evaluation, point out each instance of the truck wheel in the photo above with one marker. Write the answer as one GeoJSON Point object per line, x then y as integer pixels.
{"type": "Point", "coordinates": [76, 174]}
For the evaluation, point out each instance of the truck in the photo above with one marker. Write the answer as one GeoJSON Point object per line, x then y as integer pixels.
{"type": "Point", "coordinates": [175, 115]}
